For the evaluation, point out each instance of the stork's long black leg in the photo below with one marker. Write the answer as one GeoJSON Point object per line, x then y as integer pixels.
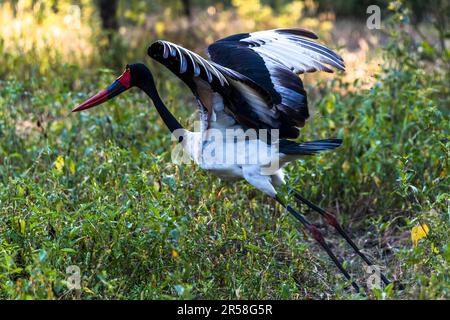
{"type": "Point", "coordinates": [317, 235]}
{"type": "Point", "coordinates": [331, 220]}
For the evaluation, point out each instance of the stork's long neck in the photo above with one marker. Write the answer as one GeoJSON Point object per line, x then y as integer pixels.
{"type": "Point", "coordinates": [170, 121]}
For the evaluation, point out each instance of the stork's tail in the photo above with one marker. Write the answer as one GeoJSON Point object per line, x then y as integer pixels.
{"type": "Point", "coordinates": [309, 147]}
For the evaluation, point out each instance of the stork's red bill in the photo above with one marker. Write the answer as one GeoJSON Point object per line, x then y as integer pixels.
{"type": "Point", "coordinates": [122, 84]}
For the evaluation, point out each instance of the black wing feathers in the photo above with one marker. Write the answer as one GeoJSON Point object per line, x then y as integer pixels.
{"type": "Point", "coordinates": [256, 74]}
{"type": "Point", "coordinates": [289, 147]}
{"type": "Point", "coordinates": [186, 64]}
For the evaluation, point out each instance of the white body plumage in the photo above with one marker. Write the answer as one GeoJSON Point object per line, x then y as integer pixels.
{"type": "Point", "coordinates": [214, 149]}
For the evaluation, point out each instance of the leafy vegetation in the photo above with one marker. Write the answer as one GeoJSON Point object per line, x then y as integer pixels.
{"type": "Point", "coordinates": [98, 190]}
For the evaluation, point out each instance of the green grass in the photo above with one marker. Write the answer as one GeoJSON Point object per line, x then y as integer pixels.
{"type": "Point", "coordinates": [98, 190]}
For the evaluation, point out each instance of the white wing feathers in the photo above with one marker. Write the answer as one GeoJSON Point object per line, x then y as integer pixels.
{"type": "Point", "coordinates": [196, 61]}
{"type": "Point", "coordinates": [297, 53]}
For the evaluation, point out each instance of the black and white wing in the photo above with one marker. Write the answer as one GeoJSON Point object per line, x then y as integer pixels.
{"type": "Point", "coordinates": [273, 59]}
{"type": "Point", "coordinates": [185, 63]}
{"type": "Point", "coordinates": [256, 74]}
{"type": "Point", "coordinates": [205, 78]}
{"type": "Point", "coordinates": [200, 75]}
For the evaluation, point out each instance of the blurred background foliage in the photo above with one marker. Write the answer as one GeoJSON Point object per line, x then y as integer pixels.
{"type": "Point", "coordinates": [98, 189]}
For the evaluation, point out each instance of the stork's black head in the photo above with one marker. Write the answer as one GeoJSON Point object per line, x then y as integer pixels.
{"type": "Point", "coordinates": [135, 75]}
{"type": "Point", "coordinates": [140, 75]}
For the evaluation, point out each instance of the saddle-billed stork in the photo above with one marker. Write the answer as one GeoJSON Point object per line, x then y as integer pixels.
{"type": "Point", "coordinates": [250, 82]}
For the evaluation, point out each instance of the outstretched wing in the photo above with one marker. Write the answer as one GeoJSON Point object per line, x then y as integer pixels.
{"type": "Point", "coordinates": [185, 63]}
{"type": "Point", "coordinates": [205, 78]}
{"type": "Point", "coordinates": [273, 59]}
{"type": "Point", "coordinates": [201, 76]}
